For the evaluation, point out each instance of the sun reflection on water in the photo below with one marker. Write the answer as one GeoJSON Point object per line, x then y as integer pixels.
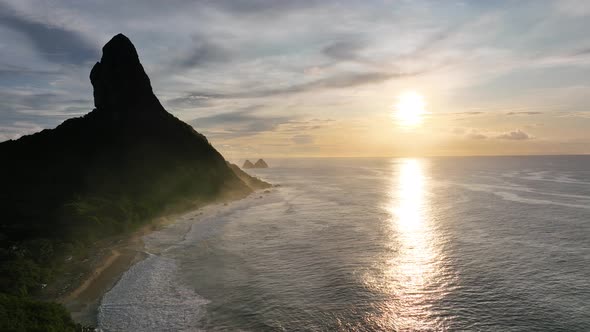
{"type": "Point", "coordinates": [412, 278]}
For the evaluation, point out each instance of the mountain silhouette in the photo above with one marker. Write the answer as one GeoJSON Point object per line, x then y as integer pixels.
{"type": "Point", "coordinates": [116, 167]}
{"type": "Point", "coordinates": [128, 146]}
{"type": "Point", "coordinates": [248, 164]}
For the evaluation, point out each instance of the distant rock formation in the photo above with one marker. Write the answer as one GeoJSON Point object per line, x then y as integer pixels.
{"type": "Point", "coordinates": [260, 164]}
{"type": "Point", "coordinates": [248, 164]}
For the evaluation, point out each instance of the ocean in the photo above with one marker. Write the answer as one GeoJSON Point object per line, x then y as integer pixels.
{"type": "Point", "coordinates": [425, 244]}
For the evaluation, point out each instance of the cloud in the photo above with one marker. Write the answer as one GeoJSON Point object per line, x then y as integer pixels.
{"type": "Point", "coordinates": [54, 43]}
{"type": "Point", "coordinates": [338, 81]}
{"type": "Point", "coordinates": [205, 52]}
{"type": "Point", "coordinates": [523, 113]}
{"type": "Point", "coordinates": [517, 135]}
{"type": "Point", "coordinates": [469, 133]}
{"type": "Point", "coordinates": [302, 139]}
{"type": "Point", "coordinates": [573, 7]}
{"type": "Point", "coordinates": [11, 71]}
{"type": "Point", "coordinates": [579, 114]}
{"type": "Point", "coordinates": [262, 7]}
{"type": "Point", "coordinates": [344, 50]}
{"type": "Point", "coordinates": [17, 129]}
{"type": "Point", "coordinates": [468, 113]}
{"type": "Point", "coordinates": [297, 126]}
{"type": "Point", "coordinates": [190, 101]}
{"type": "Point", "coordinates": [458, 113]}
{"type": "Point", "coordinates": [240, 123]}
{"type": "Point", "coordinates": [43, 109]}
{"type": "Point", "coordinates": [458, 131]}
{"type": "Point", "coordinates": [478, 134]}
{"type": "Point", "coordinates": [437, 40]}
{"type": "Point", "coordinates": [475, 134]}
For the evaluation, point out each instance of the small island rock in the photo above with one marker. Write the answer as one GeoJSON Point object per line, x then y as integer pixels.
{"type": "Point", "coordinates": [261, 164]}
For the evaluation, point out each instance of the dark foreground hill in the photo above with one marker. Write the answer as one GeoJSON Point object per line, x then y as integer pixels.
{"type": "Point", "coordinates": [101, 174]}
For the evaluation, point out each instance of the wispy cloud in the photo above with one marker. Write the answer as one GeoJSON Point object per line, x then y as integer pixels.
{"type": "Point", "coordinates": [204, 52]}
{"type": "Point", "coordinates": [524, 113]}
{"type": "Point", "coordinates": [344, 50]}
{"type": "Point", "coordinates": [517, 135]}
{"type": "Point", "coordinates": [339, 81]}
{"type": "Point", "coordinates": [240, 123]}
{"type": "Point", "coordinates": [41, 109]}
{"type": "Point", "coordinates": [574, 8]}
{"type": "Point", "coordinates": [16, 129]}
{"type": "Point", "coordinates": [302, 139]}
{"type": "Point", "coordinates": [475, 135]}
{"type": "Point", "coordinates": [55, 43]}
{"type": "Point", "coordinates": [469, 133]}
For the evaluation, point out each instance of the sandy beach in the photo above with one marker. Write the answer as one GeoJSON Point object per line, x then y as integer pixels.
{"type": "Point", "coordinates": [81, 289]}
{"type": "Point", "coordinates": [82, 297]}
{"type": "Point", "coordinates": [83, 300]}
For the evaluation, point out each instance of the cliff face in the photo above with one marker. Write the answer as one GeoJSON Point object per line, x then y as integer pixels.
{"type": "Point", "coordinates": [128, 157]}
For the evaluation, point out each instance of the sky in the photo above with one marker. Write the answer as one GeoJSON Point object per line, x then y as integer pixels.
{"type": "Point", "coordinates": [269, 78]}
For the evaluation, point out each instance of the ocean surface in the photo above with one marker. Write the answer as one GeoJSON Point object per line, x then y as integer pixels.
{"type": "Point", "coordinates": [434, 244]}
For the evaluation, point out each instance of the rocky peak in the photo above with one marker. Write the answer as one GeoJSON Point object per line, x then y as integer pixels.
{"type": "Point", "coordinates": [119, 80]}
{"type": "Point", "coordinates": [261, 164]}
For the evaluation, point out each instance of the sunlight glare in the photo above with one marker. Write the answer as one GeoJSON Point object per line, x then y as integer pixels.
{"type": "Point", "coordinates": [409, 108]}
{"type": "Point", "coordinates": [414, 277]}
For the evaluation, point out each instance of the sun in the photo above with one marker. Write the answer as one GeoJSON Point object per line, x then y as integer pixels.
{"type": "Point", "coordinates": [410, 108]}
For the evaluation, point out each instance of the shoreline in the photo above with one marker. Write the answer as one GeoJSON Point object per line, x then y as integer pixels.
{"type": "Point", "coordinates": [83, 301]}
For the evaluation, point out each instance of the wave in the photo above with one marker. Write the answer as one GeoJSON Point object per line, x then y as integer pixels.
{"type": "Point", "coordinates": [511, 196]}
{"type": "Point", "coordinates": [546, 176]}
{"type": "Point", "coordinates": [149, 297]}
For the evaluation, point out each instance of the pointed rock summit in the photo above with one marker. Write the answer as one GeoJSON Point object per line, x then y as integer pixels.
{"type": "Point", "coordinates": [248, 164]}
{"type": "Point", "coordinates": [119, 80]}
{"type": "Point", "coordinates": [261, 164]}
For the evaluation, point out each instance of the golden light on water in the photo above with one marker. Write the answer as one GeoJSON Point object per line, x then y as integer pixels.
{"type": "Point", "coordinates": [410, 108]}
{"type": "Point", "coordinates": [413, 278]}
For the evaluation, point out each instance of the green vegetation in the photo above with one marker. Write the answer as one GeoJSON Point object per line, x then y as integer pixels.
{"type": "Point", "coordinates": [22, 314]}
{"type": "Point", "coordinates": [30, 260]}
